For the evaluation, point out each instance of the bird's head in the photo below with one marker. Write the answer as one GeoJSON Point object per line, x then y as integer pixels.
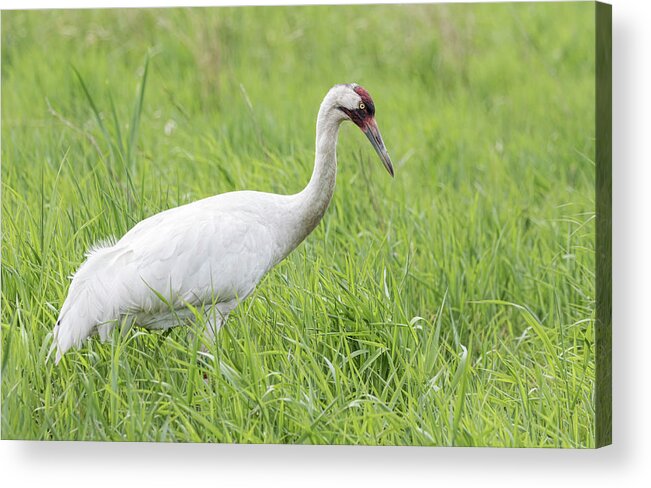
{"type": "Point", "coordinates": [354, 103]}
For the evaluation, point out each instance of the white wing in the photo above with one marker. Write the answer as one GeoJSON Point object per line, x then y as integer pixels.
{"type": "Point", "coordinates": [214, 250]}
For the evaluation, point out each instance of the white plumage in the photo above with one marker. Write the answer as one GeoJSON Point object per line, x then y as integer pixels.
{"type": "Point", "coordinates": [208, 255]}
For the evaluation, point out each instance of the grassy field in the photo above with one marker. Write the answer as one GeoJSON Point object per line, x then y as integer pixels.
{"type": "Point", "coordinates": [453, 305]}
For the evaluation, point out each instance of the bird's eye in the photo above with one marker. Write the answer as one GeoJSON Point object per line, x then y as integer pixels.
{"type": "Point", "coordinates": [362, 106]}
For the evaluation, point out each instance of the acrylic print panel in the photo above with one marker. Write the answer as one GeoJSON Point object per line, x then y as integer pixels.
{"type": "Point", "coordinates": [463, 302]}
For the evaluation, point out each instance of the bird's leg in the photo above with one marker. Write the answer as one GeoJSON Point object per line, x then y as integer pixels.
{"type": "Point", "coordinates": [215, 318]}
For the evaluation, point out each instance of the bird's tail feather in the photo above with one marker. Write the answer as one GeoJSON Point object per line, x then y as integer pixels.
{"type": "Point", "coordinates": [87, 305]}
{"type": "Point", "coordinates": [77, 322]}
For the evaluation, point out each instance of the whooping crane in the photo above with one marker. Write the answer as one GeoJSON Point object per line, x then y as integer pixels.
{"type": "Point", "coordinates": [209, 254]}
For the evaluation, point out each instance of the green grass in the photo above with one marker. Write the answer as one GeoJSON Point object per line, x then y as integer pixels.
{"type": "Point", "coordinates": [453, 305]}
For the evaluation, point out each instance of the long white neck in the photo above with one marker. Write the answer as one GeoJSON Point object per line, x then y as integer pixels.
{"type": "Point", "coordinates": [308, 207]}
{"type": "Point", "coordinates": [316, 196]}
{"type": "Point", "coordinates": [311, 204]}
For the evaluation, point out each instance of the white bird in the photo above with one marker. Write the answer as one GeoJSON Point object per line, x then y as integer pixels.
{"type": "Point", "coordinates": [210, 254]}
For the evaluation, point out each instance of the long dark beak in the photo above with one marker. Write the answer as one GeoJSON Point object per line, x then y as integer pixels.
{"type": "Point", "coordinates": [373, 134]}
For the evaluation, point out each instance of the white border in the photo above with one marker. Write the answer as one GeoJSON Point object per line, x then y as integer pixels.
{"type": "Point", "coordinates": [36, 4]}
{"type": "Point", "coordinates": [626, 463]}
